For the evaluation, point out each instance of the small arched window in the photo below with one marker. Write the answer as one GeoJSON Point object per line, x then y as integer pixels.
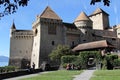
{"type": "Point", "coordinates": [53, 43]}
{"type": "Point", "coordinates": [36, 31]}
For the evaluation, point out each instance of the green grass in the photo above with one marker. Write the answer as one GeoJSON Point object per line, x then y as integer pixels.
{"type": "Point", "coordinates": [106, 75]}
{"type": "Point", "coordinates": [56, 75]}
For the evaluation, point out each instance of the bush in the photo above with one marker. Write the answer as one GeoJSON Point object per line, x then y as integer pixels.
{"type": "Point", "coordinates": [68, 59]}
{"type": "Point", "coordinates": [7, 69]}
{"type": "Point", "coordinates": [116, 62]}
{"type": "Point", "coordinates": [85, 55]}
{"type": "Point", "coordinates": [109, 61]}
{"type": "Point", "coordinates": [80, 60]}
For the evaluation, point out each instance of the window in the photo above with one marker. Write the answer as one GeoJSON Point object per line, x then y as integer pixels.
{"type": "Point", "coordinates": [113, 39]}
{"type": "Point", "coordinates": [84, 40]}
{"type": "Point", "coordinates": [52, 29]}
{"type": "Point", "coordinates": [118, 33]}
{"type": "Point", "coordinates": [53, 43]}
{"type": "Point", "coordinates": [73, 43]}
{"type": "Point", "coordinates": [36, 31]}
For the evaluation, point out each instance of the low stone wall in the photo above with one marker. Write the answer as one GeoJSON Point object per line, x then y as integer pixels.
{"type": "Point", "coordinates": [19, 73]}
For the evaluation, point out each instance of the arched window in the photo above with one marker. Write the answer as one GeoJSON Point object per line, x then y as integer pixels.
{"type": "Point", "coordinates": [53, 43]}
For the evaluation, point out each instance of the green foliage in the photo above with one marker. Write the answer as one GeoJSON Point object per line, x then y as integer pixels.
{"type": "Point", "coordinates": [80, 60]}
{"type": "Point", "coordinates": [7, 69]}
{"type": "Point", "coordinates": [60, 51]}
{"type": "Point", "coordinates": [116, 62]}
{"type": "Point", "coordinates": [104, 62]}
{"type": "Point", "coordinates": [68, 59]}
{"type": "Point", "coordinates": [108, 61]}
{"type": "Point", "coordinates": [85, 55]}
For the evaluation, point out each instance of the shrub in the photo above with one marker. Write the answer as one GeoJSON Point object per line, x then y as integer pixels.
{"type": "Point", "coordinates": [116, 62]}
{"type": "Point", "coordinates": [68, 59]}
{"type": "Point", "coordinates": [109, 61]}
{"type": "Point", "coordinates": [85, 55]}
{"type": "Point", "coordinates": [7, 69]}
{"type": "Point", "coordinates": [81, 60]}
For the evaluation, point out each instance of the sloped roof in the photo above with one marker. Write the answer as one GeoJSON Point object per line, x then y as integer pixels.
{"type": "Point", "coordinates": [13, 26]}
{"type": "Point", "coordinates": [105, 33]}
{"type": "Point", "coordinates": [99, 10]}
{"type": "Point", "coordinates": [82, 16]}
{"type": "Point", "coordinates": [92, 45]}
{"type": "Point", "coordinates": [49, 13]}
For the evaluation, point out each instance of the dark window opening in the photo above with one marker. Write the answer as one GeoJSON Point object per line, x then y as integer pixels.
{"type": "Point", "coordinates": [36, 31]}
{"type": "Point", "coordinates": [53, 43]}
{"type": "Point", "coordinates": [113, 39]}
{"type": "Point", "coordinates": [84, 40]}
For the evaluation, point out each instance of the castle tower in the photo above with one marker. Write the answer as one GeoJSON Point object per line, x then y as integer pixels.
{"type": "Point", "coordinates": [48, 33]}
{"type": "Point", "coordinates": [100, 19]}
{"type": "Point", "coordinates": [84, 24]}
{"type": "Point", "coordinates": [20, 47]}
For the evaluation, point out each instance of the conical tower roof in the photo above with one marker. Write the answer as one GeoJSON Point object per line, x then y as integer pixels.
{"type": "Point", "coordinates": [49, 13]}
{"type": "Point", "coordinates": [82, 17]}
{"type": "Point", "coordinates": [99, 10]}
{"type": "Point", "coordinates": [13, 26]}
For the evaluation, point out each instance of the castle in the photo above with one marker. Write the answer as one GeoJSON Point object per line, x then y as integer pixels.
{"type": "Point", "coordinates": [48, 31]}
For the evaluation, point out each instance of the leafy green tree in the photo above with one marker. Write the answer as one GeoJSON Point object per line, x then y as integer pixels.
{"type": "Point", "coordinates": [60, 51]}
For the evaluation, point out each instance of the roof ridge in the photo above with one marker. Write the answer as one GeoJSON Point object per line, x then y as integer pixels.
{"type": "Point", "coordinates": [49, 13]}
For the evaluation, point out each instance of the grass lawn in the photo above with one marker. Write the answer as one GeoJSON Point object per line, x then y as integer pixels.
{"type": "Point", "coordinates": [56, 75]}
{"type": "Point", "coordinates": [106, 75]}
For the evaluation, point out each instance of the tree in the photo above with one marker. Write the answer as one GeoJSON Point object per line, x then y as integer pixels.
{"type": "Point", "coordinates": [60, 51]}
{"type": "Point", "coordinates": [10, 6]}
{"type": "Point", "coordinates": [106, 2]}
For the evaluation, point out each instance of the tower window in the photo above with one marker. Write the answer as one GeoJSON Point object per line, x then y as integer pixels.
{"type": "Point", "coordinates": [113, 39]}
{"type": "Point", "coordinates": [53, 43]}
{"type": "Point", "coordinates": [73, 43]}
{"type": "Point", "coordinates": [52, 29]}
{"type": "Point", "coordinates": [36, 31]}
{"type": "Point", "coordinates": [84, 40]}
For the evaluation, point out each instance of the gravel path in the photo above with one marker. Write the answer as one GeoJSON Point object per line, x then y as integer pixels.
{"type": "Point", "coordinates": [86, 75]}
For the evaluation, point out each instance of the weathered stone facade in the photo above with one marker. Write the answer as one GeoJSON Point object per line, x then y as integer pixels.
{"type": "Point", "coordinates": [48, 31]}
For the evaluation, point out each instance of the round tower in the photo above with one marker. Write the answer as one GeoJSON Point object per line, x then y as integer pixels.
{"type": "Point", "coordinates": [84, 24]}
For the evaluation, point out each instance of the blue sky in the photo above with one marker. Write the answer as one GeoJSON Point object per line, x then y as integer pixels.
{"type": "Point", "coordinates": [68, 10]}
